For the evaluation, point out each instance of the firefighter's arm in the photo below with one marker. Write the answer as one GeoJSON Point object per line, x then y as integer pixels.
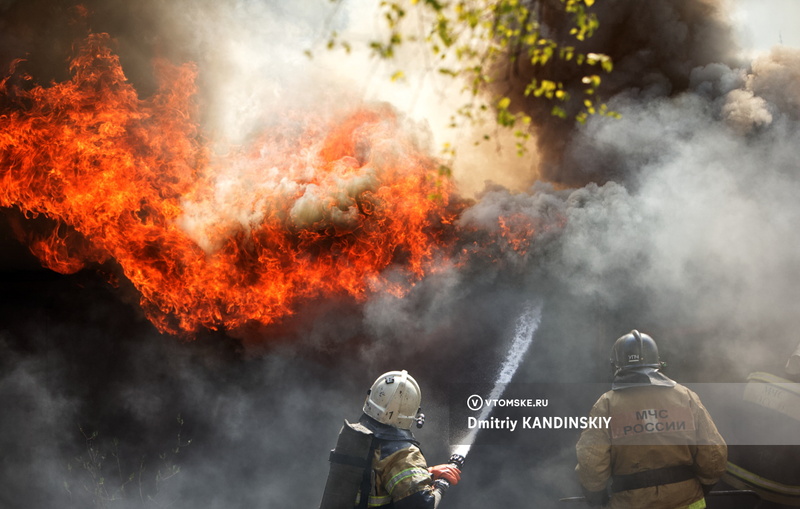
{"type": "Point", "coordinates": [409, 483]}
{"type": "Point", "coordinates": [594, 455]}
{"type": "Point", "coordinates": [711, 456]}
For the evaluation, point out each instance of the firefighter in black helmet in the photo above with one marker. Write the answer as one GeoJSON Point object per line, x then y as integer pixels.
{"type": "Point", "coordinates": [662, 450]}
{"type": "Point", "coordinates": [635, 361]}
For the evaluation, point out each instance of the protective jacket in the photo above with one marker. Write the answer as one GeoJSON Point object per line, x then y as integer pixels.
{"type": "Point", "coordinates": [400, 476]}
{"type": "Point", "coordinates": [659, 451]}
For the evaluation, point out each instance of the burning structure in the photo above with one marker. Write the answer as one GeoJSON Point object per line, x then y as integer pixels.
{"type": "Point", "coordinates": [331, 244]}
{"type": "Point", "coordinates": [212, 241]}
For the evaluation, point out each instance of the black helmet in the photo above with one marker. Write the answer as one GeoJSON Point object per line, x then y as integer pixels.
{"type": "Point", "coordinates": [634, 350]}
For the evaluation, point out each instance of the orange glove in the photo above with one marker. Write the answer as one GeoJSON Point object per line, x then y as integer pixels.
{"type": "Point", "coordinates": [448, 472]}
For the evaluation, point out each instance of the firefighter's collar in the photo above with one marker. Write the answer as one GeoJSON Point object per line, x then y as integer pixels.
{"type": "Point", "coordinates": [641, 377]}
{"type": "Point", "coordinates": [385, 431]}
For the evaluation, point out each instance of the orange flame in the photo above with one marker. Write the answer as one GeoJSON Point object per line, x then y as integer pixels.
{"type": "Point", "coordinates": [311, 209]}
{"type": "Point", "coordinates": [518, 231]}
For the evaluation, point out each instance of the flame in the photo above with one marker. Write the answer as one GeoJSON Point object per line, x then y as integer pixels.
{"type": "Point", "coordinates": [313, 207]}
{"type": "Point", "coordinates": [518, 230]}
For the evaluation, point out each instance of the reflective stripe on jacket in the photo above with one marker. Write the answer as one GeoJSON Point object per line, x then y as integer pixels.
{"type": "Point", "coordinates": [398, 475]}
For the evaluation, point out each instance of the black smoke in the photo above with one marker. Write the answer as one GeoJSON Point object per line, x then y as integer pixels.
{"type": "Point", "coordinates": [654, 48]}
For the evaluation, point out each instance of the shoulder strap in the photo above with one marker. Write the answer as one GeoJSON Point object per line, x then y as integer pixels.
{"type": "Point", "coordinates": [366, 480]}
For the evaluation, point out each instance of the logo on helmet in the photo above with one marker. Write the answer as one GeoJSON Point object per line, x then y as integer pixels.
{"type": "Point", "coordinates": [634, 357]}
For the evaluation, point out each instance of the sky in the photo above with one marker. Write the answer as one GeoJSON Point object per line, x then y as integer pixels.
{"type": "Point", "coordinates": [762, 25]}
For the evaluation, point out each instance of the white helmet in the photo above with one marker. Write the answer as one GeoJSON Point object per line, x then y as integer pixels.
{"type": "Point", "coordinates": [394, 399]}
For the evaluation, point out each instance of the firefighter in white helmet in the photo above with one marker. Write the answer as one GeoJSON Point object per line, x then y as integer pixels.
{"type": "Point", "coordinates": [662, 450]}
{"type": "Point", "coordinates": [396, 474]}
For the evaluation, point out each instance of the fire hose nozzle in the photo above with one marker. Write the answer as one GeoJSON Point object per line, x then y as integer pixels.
{"type": "Point", "coordinates": [457, 460]}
